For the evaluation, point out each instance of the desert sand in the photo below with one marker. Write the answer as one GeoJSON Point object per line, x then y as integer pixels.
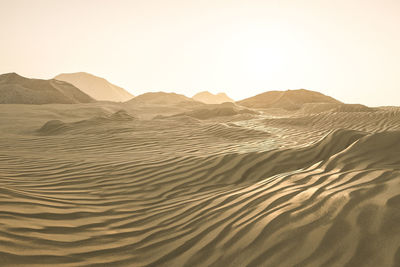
{"type": "Point", "coordinates": [163, 180]}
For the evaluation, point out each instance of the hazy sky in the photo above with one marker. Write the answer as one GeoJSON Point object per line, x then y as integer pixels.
{"type": "Point", "coordinates": [348, 49]}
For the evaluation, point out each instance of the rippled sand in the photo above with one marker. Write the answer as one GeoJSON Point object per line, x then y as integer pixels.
{"type": "Point", "coordinates": [93, 185]}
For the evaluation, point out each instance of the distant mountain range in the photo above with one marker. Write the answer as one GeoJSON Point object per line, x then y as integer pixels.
{"type": "Point", "coordinates": [15, 89]}
{"type": "Point", "coordinates": [96, 87]}
{"type": "Point", "coordinates": [209, 98]}
{"type": "Point", "coordinates": [85, 88]}
{"type": "Point", "coordinates": [289, 100]}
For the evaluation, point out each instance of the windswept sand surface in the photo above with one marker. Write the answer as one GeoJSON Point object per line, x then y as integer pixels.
{"type": "Point", "coordinates": [96, 184]}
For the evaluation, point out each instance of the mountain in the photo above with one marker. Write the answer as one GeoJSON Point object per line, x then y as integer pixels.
{"type": "Point", "coordinates": [15, 89]}
{"type": "Point", "coordinates": [289, 100]}
{"type": "Point", "coordinates": [162, 98]}
{"type": "Point", "coordinates": [96, 87]}
{"type": "Point", "coordinates": [209, 98]}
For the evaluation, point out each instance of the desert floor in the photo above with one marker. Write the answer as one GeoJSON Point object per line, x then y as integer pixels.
{"type": "Point", "coordinates": [105, 184]}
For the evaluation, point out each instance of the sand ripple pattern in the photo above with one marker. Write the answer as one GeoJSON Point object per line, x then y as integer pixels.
{"type": "Point", "coordinates": [306, 128]}
{"type": "Point", "coordinates": [333, 203]}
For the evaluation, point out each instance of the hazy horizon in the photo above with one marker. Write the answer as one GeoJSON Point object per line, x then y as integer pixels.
{"type": "Point", "coordinates": [345, 50]}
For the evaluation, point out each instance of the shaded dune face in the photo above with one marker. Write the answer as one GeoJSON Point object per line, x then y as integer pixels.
{"type": "Point", "coordinates": [331, 203]}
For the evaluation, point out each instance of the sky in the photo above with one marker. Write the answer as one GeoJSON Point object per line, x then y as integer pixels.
{"type": "Point", "coordinates": [348, 49]}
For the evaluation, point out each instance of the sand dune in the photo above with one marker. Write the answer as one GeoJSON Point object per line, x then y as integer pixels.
{"type": "Point", "coordinates": [209, 98]}
{"type": "Point", "coordinates": [216, 110]}
{"type": "Point", "coordinates": [57, 127]}
{"type": "Point", "coordinates": [150, 105]}
{"type": "Point", "coordinates": [98, 185]}
{"type": "Point", "coordinates": [289, 100]}
{"type": "Point", "coordinates": [15, 89]}
{"type": "Point", "coordinates": [98, 88]}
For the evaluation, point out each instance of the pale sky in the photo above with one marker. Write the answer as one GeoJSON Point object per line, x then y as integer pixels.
{"type": "Point", "coordinates": [348, 49]}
